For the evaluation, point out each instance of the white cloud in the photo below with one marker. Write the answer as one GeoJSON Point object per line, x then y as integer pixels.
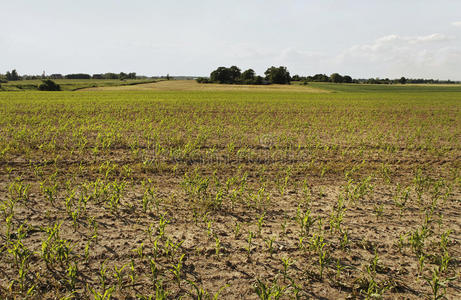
{"type": "Point", "coordinates": [430, 56]}
{"type": "Point", "coordinates": [457, 23]}
{"type": "Point", "coordinates": [394, 55]}
{"type": "Point", "coordinates": [436, 37]}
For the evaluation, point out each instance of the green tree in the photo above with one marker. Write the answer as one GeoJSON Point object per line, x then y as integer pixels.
{"type": "Point", "coordinates": [226, 75]}
{"type": "Point", "coordinates": [347, 79]}
{"type": "Point", "coordinates": [403, 80]}
{"type": "Point", "coordinates": [336, 78]}
{"type": "Point", "coordinates": [278, 75]}
{"type": "Point", "coordinates": [248, 75]}
{"type": "Point", "coordinates": [320, 78]}
{"type": "Point", "coordinates": [235, 74]}
{"type": "Point", "coordinates": [49, 85]}
{"type": "Point", "coordinates": [13, 76]}
{"type": "Point", "coordinates": [296, 78]}
{"type": "Point", "coordinates": [221, 75]}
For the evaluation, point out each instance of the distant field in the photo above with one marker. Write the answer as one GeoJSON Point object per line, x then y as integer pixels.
{"type": "Point", "coordinates": [312, 87]}
{"type": "Point", "coordinates": [192, 85]}
{"type": "Point", "coordinates": [175, 189]}
{"type": "Point", "coordinates": [386, 88]}
{"type": "Point", "coordinates": [69, 84]}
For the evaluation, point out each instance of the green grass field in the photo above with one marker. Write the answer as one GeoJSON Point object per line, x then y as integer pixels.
{"type": "Point", "coordinates": [175, 189]}
{"type": "Point", "coordinates": [384, 88]}
{"type": "Point", "coordinates": [70, 84]}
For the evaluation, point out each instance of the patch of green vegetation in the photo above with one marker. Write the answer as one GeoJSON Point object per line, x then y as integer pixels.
{"type": "Point", "coordinates": [385, 88]}
{"type": "Point", "coordinates": [70, 84]}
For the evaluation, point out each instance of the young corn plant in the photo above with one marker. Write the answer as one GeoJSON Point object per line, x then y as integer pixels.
{"type": "Point", "coordinates": [150, 197]}
{"type": "Point", "coordinates": [438, 284]}
{"type": "Point", "coordinates": [161, 226]}
{"type": "Point", "coordinates": [21, 257]}
{"type": "Point", "coordinates": [345, 239]}
{"type": "Point", "coordinates": [417, 239]}
{"type": "Point", "coordinates": [260, 224]}
{"type": "Point", "coordinates": [378, 210]}
{"type": "Point", "coordinates": [237, 230]}
{"type": "Point", "coordinates": [140, 251]}
{"type": "Point", "coordinates": [118, 275]}
{"type": "Point", "coordinates": [286, 263]}
{"type": "Point", "coordinates": [19, 191]}
{"type": "Point", "coordinates": [318, 245]}
{"type": "Point", "coordinates": [269, 292]}
{"type": "Point", "coordinates": [201, 294]}
{"type": "Point", "coordinates": [401, 198]}
{"type": "Point", "coordinates": [72, 272]}
{"type": "Point", "coordinates": [270, 247]}
{"type": "Point", "coordinates": [104, 294]}
{"type": "Point", "coordinates": [132, 275]}
{"type": "Point", "coordinates": [154, 270]}
{"type": "Point", "coordinates": [323, 258]}
{"type": "Point", "coordinates": [306, 221]}
{"type": "Point", "coordinates": [49, 191]}
{"type": "Point", "coordinates": [116, 190]}
{"type": "Point", "coordinates": [337, 215]}
{"type": "Point", "coordinates": [339, 269]}
{"type": "Point", "coordinates": [177, 270]}
{"type": "Point", "coordinates": [103, 275]}
{"type": "Point", "coordinates": [54, 249]}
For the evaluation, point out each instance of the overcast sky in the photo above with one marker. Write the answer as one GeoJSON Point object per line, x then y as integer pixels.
{"type": "Point", "coordinates": [362, 38]}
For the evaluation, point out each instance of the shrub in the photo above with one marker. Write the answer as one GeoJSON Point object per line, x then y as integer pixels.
{"type": "Point", "coordinates": [202, 80]}
{"type": "Point", "coordinates": [49, 85]}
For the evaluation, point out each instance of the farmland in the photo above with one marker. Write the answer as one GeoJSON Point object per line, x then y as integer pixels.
{"type": "Point", "coordinates": [71, 84]}
{"type": "Point", "coordinates": [175, 189]}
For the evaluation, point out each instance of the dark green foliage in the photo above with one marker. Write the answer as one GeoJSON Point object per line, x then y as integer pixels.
{"type": "Point", "coordinates": [235, 73]}
{"type": "Point", "coordinates": [248, 75]}
{"type": "Point", "coordinates": [56, 76]}
{"type": "Point", "coordinates": [49, 85]}
{"type": "Point", "coordinates": [278, 75]}
{"type": "Point", "coordinates": [121, 76]}
{"type": "Point", "coordinates": [226, 75]}
{"type": "Point", "coordinates": [111, 76]}
{"type": "Point", "coordinates": [347, 79]}
{"type": "Point", "coordinates": [97, 76]}
{"type": "Point", "coordinates": [12, 76]}
{"type": "Point", "coordinates": [336, 78]}
{"type": "Point", "coordinates": [259, 80]}
{"type": "Point", "coordinates": [319, 78]}
{"type": "Point", "coordinates": [78, 76]}
{"type": "Point", "coordinates": [202, 80]}
{"type": "Point", "coordinates": [281, 75]}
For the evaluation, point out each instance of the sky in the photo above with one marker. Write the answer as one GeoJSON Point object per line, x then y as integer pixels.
{"type": "Point", "coordinates": [360, 38]}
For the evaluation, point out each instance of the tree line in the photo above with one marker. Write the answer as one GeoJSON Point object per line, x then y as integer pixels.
{"type": "Point", "coordinates": [120, 76]}
{"type": "Point", "coordinates": [233, 75]}
{"type": "Point", "coordinates": [281, 75]}
{"type": "Point", "coordinates": [14, 76]}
